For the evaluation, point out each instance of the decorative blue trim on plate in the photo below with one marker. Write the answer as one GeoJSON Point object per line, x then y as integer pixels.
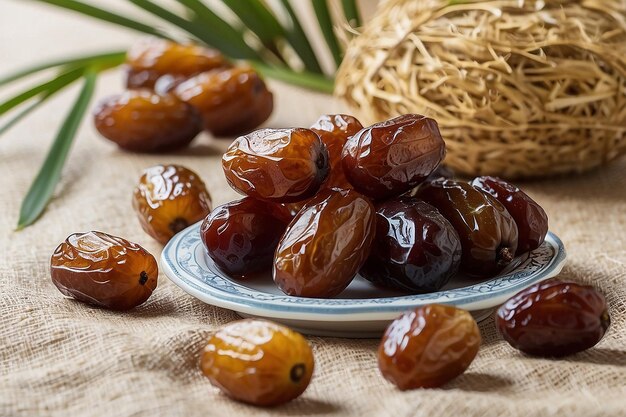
{"type": "Point", "coordinates": [186, 259]}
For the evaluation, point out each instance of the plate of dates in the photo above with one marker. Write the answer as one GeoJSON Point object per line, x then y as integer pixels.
{"type": "Point", "coordinates": [362, 309]}
{"type": "Point", "coordinates": [344, 227]}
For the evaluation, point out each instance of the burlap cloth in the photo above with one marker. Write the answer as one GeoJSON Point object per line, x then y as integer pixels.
{"type": "Point", "coordinates": [62, 358]}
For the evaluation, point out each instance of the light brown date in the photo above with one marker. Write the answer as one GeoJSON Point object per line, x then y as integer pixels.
{"type": "Point", "coordinates": [280, 165]}
{"type": "Point", "coordinates": [152, 58]}
{"type": "Point", "coordinates": [325, 244]}
{"type": "Point", "coordinates": [142, 121]}
{"type": "Point", "coordinates": [232, 101]}
{"type": "Point", "coordinates": [258, 362]}
{"type": "Point", "coordinates": [169, 198]}
{"type": "Point", "coordinates": [428, 346]}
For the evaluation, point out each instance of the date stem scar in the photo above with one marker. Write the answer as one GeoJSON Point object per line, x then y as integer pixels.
{"type": "Point", "coordinates": [297, 372]}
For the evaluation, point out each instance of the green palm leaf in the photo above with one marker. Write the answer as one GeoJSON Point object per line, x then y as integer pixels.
{"type": "Point", "coordinates": [42, 188]}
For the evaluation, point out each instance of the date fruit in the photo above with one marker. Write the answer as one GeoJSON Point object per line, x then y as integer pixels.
{"type": "Point", "coordinates": [389, 158]}
{"type": "Point", "coordinates": [488, 232]}
{"type": "Point", "coordinates": [280, 165]}
{"type": "Point", "coordinates": [142, 121]}
{"type": "Point", "coordinates": [104, 270]}
{"type": "Point", "coordinates": [531, 219]}
{"type": "Point", "coordinates": [241, 236]}
{"type": "Point", "coordinates": [152, 58]}
{"type": "Point", "coordinates": [334, 130]}
{"type": "Point", "coordinates": [258, 362]}
{"type": "Point", "coordinates": [325, 244]}
{"type": "Point", "coordinates": [554, 318]}
{"type": "Point", "coordinates": [429, 346]}
{"type": "Point", "coordinates": [416, 249]}
{"type": "Point", "coordinates": [232, 101]}
{"type": "Point", "coordinates": [169, 198]}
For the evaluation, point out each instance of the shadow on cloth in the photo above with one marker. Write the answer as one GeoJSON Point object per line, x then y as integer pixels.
{"type": "Point", "coordinates": [600, 356]}
{"type": "Point", "coordinates": [306, 407]}
{"type": "Point", "coordinates": [478, 382]}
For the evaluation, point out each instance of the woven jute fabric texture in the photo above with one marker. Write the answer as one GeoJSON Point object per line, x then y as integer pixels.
{"type": "Point", "coordinates": [59, 357]}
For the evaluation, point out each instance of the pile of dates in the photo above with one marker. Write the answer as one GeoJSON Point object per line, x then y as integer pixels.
{"type": "Point", "coordinates": [325, 203]}
{"type": "Point", "coordinates": [177, 90]}
{"type": "Point", "coordinates": [322, 205]}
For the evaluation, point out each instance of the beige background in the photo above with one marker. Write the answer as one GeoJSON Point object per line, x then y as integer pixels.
{"type": "Point", "coordinates": [62, 358]}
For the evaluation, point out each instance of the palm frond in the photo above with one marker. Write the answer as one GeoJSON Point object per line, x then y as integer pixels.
{"type": "Point", "coordinates": [282, 51]}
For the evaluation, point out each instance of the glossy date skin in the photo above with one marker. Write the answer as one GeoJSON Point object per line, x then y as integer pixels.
{"type": "Point", "coordinates": [142, 121]}
{"type": "Point", "coordinates": [429, 346]}
{"type": "Point", "coordinates": [334, 130]}
{"type": "Point", "coordinates": [232, 101]}
{"type": "Point", "coordinates": [169, 198]}
{"type": "Point", "coordinates": [554, 318]}
{"type": "Point", "coordinates": [279, 165]}
{"type": "Point", "coordinates": [389, 158]}
{"type": "Point", "coordinates": [104, 270]}
{"type": "Point", "coordinates": [241, 236]}
{"type": "Point", "coordinates": [258, 362]}
{"type": "Point", "coordinates": [152, 58]}
{"type": "Point", "coordinates": [487, 231]}
{"type": "Point", "coordinates": [325, 244]}
{"type": "Point", "coordinates": [416, 249]}
{"type": "Point", "coordinates": [531, 219]}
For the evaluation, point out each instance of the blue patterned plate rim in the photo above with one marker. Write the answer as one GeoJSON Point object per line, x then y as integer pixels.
{"type": "Point", "coordinates": [180, 262]}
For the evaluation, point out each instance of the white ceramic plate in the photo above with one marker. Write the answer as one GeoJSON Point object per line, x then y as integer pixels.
{"type": "Point", "coordinates": [362, 310]}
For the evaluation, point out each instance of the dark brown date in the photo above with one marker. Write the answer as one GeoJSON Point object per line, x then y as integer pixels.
{"type": "Point", "coordinates": [531, 219]}
{"type": "Point", "coordinates": [232, 101]}
{"type": "Point", "coordinates": [241, 236]}
{"type": "Point", "coordinates": [325, 244]}
{"type": "Point", "coordinates": [104, 270]}
{"type": "Point", "coordinates": [142, 121]}
{"type": "Point", "coordinates": [416, 249]}
{"type": "Point", "coordinates": [388, 159]}
{"type": "Point", "coordinates": [429, 346]}
{"type": "Point", "coordinates": [334, 130]}
{"type": "Point", "coordinates": [554, 318]}
{"type": "Point", "coordinates": [487, 231]}
{"type": "Point", "coordinates": [281, 165]}
{"type": "Point", "coordinates": [149, 60]}
{"type": "Point", "coordinates": [169, 198]}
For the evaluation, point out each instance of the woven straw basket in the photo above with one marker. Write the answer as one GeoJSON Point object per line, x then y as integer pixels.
{"type": "Point", "coordinates": [520, 88]}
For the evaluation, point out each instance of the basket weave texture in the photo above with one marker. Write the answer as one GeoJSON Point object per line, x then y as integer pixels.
{"type": "Point", "coordinates": [520, 89]}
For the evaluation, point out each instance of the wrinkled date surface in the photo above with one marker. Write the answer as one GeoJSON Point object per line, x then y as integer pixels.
{"type": "Point", "coordinates": [531, 219]}
{"type": "Point", "coordinates": [142, 121]}
{"type": "Point", "coordinates": [334, 130]}
{"type": "Point", "coordinates": [416, 249]}
{"type": "Point", "coordinates": [258, 362]}
{"type": "Point", "coordinates": [169, 198]}
{"type": "Point", "coordinates": [388, 159]}
{"type": "Point", "coordinates": [554, 318]}
{"type": "Point", "coordinates": [153, 58]}
{"type": "Point", "coordinates": [232, 101]}
{"type": "Point", "coordinates": [429, 346]}
{"type": "Point", "coordinates": [241, 236]}
{"type": "Point", "coordinates": [281, 165]}
{"type": "Point", "coordinates": [325, 244]}
{"type": "Point", "coordinates": [104, 270]}
{"type": "Point", "coordinates": [487, 231]}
